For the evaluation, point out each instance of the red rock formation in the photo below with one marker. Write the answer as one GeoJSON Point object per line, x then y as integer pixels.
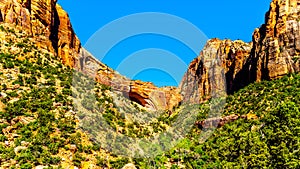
{"type": "Point", "coordinates": [276, 45]}
{"type": "Point", "coordinates": [46, 18]}
{"type": "Point", "coordinates": [68, 44]}
{"type": "Point", "coordinates": [218, 61]}
{"type": "Point", "coordinates": [144, 93]}
{"type": "Point", "coordinates": [274, 52]}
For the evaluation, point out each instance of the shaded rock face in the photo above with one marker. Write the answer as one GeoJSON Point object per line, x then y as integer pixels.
{"type": "Point", "coordinates": [273, 53]}
{"type": "Point", "coordinates": [1, 17]}
{"type": "Point", "coordinates": [46, 18]}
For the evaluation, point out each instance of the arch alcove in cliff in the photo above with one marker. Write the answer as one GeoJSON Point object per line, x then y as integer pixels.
{"type": "Point", "coordinates": [137, 98]}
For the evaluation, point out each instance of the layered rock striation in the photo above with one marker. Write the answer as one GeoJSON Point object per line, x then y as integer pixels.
{"type": "Point", "coordinates": [218, 67]}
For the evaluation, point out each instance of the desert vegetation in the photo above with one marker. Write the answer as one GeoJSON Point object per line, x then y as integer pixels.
{"type": "Point", "coordinates": [40, 126]}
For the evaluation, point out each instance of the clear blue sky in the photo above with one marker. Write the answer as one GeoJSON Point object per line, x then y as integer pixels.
{"type": "Point", "coordinates": [233, 19]}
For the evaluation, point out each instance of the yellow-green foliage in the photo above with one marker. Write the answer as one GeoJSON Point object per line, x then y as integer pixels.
{"type": "Point", "coordinates": [36, 119]}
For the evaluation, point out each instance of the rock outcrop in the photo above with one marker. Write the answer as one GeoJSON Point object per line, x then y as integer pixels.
{"type": "Point", "coordinates": [51, 28]}
{"type": "Point", "coordinates": [220, 60]}
{"type": "Point", "coordinates": [47, 22]}
{"type": "Point", "coordinates": [144, 93]}
{"type": "Point", "coordinates": [276, 45]}
{"type": "Point", "coordinates": [221, 121]}
{"type": "Point", "coordinates": [129, 166]}
{"type": "Point", "coordinates": [274, 52]}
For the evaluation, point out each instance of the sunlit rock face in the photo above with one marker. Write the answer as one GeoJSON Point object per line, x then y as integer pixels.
{"type": "Point", "coordinates": [220, 66]}
{"type": "Point", "coordinates": [276, 45]}
{"type": "Point", "coordinates": [144, 93]}
{"type": "Point", "coordinates": [273, 53]}
{"type": "Point", "coordinates": [51, 28]}
{"type": "Point", "coordinates": [47, 22]}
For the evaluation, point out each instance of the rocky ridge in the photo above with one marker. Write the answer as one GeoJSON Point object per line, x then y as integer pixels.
{"type": "Point", "coordinates": [276, 44]}
{"type": "Point", "coordinates": [273, 53]}
{"type": "Point", "coordinates": [47, 18]}
{"type": "Point", "coordinates": [144, 93]}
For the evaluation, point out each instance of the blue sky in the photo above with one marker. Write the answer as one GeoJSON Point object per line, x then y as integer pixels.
{"type": "Point", "coordinates": [233, 19]}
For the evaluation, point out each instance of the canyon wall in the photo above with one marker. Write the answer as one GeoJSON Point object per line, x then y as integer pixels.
{"type": "Point", "coordinates": [273, 53]}
{"type": "Point", "coordinates": [51, 28]}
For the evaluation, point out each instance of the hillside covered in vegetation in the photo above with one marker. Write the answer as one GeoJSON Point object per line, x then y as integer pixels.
{"type": "Point", "coordinates": [39, 126]}
{"type": "Point", "coordinates": [62, 108]}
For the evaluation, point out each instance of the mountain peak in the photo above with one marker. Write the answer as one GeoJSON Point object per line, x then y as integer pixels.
{"type": "Point", "coordinates": [273, 53]}
{"type": "Point", "coordinates": [276, 46]}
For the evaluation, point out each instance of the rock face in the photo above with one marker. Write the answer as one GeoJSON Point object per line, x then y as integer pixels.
{"type": "Point", "coordinates": [274, 52]}
{"type": "Point", "coordinates": [223, 65]}
{"type": "Point", "coordinates": [46, 18]}
{"type": "Point", "coordinates": [276, 45]}
{"type": "Point", "coordinates": [219, 60]}
{"type": "Point", "coordinates": [68, 44]}
{"type": "Point", "coordinates": [51, 28]}
{"type": "Point", "coordinates": [144, 93]}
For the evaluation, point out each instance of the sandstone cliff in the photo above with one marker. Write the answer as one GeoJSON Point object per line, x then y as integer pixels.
{"type": "Point", "coordinates": [276, 45]}
{"type": "Point", "coordinates": [203, 75]}
{"type": "Point", "coordinates": [274, 52]}
{"type": "Point", "coordinates": [144, 93]}
{"type": "Point", "coordinates": [51, 28]}
{"type": "Point", "coordinates": [47, 22]}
